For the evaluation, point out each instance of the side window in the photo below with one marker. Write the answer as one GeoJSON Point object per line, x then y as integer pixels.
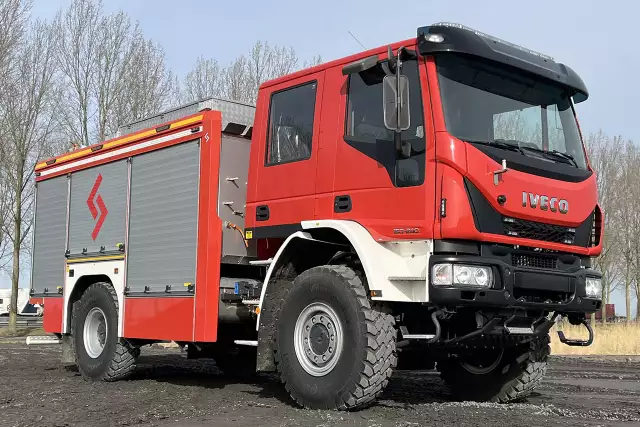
{"type": "Point", "coordinates": [365, 130]}
{"type": "Point", "coordinates": [291, 124]}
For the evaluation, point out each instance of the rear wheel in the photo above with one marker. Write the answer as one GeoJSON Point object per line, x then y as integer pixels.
{"type": "Point", "coordinates": [502, 375]}
{"type": "Point", "coordinates": [100, 354]}
{"type": "Point", "coordinates": [333, 349]}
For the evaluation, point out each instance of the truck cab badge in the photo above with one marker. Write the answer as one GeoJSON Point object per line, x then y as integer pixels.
{"type": "Point", "coordinates": [545, 203]}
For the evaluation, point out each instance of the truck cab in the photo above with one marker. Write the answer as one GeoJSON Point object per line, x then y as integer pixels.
{"type": "Point", "coordinates": [424, 205]}
{"type": "Point", "coordinates": [452, 169]}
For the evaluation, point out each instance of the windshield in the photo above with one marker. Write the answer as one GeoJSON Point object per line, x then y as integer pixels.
{"type": "Point", "coordinates": [489, 103]}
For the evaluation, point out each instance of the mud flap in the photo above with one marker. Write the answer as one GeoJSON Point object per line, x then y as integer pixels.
{"type": "Point", "coordinates": [68, 351]}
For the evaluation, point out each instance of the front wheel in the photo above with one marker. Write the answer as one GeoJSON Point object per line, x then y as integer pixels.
{"type": "Point", "coordinates": [100, 353]}
{"type": "Point", "coordinates": [501, 375]}
{"type": "Point", "coordinates": [333, 349]}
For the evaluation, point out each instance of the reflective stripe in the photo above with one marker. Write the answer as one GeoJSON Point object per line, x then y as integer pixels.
{"type": "Point", "coordinates": [114, 153]}
{"type": "Point", "coordinates": [115, 143]}
{"type": "Point", "coordinates": [94, 259]}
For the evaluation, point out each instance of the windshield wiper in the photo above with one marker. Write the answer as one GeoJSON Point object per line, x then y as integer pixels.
{"type": "Point", "coordinates": [497, 143]}
{"type": "Point", "coordinates": [566, 158]}
{"type": "Point", "coordinates": [508, 145]}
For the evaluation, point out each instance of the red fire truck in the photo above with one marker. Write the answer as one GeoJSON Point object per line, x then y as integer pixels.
{"type": "Point", "coordinates": [427, 204]}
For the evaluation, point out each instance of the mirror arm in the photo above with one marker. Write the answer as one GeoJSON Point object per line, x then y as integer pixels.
{"type": "Point", "coordinates": [398, 96]}
{"type": "Point", "coordinates": [397, 135]}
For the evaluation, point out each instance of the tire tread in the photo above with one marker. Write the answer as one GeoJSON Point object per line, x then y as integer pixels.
{"type": "Point", "coordinates": [380, 352]}
{"type": "Point", "coordinates": [125, 357]}
{"type": "Point", "coordinates": [532, 371]}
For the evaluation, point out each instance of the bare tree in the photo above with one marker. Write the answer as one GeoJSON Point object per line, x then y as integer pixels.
{"type": "Point", "coordinates": [241, 80]}
{"type": "Point", "coordinates": [236, 84]}
{"type": "Point", "coordinates": [149, 85]}
{"type": "Point", "coordinates": [113, 56]}
{"type": "Point", "coordinates": [112, 74]}
{"type": "Point", "coordinates": [315, 60]}
{"type": "Point", "coordinates": [26, 123]}
{"type": "Point", "coordinates": [205, 79]}
{"type": "Point", "coordinates": [13, 18]}
{"type": "Point", "coordinates": [605, 155]}
{"type": "Point", "coordinates": [77, 52]}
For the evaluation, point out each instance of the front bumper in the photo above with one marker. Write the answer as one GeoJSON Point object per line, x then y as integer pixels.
{"type": "Point", "coordinates": [560, 289]}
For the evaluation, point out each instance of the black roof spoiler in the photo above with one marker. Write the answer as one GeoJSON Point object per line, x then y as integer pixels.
{"type": "Point", "coordinates": [456, 38]}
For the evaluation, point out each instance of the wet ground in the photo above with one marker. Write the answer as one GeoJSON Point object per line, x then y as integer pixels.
{"type": "Point", "coordinates": [171, 391]}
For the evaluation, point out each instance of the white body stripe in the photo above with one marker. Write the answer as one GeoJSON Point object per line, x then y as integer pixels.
{"type": "Point", "coordinates": [90, 269]}
{"type": "Point", "coordinates": [126, 149]}
{"type": "Point", "coordinates": [397, 269]}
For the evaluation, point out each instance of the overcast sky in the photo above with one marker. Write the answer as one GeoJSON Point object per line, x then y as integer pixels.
{"type": "Point", "coordinates": [596, 38]}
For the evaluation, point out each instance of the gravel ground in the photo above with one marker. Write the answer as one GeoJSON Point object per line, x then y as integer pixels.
{"type": "Point", "coordinates": [169, 390]}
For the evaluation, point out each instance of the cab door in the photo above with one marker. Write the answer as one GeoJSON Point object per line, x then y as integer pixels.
{"type": "Point", "coordinates": [286, 167]}
{"type": "Point", "coordinates": [389, 193]}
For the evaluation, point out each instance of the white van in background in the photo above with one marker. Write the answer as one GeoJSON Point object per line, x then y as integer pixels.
{"type": "Point", "coordinates": [24, 308]}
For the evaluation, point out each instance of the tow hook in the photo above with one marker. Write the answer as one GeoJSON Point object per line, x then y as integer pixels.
{"type": "Point", "coordinates": [578, 342]}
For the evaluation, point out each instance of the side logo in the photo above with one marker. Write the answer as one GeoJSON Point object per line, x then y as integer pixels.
{"type": "Point", "coordinates": [406, 230]}
{"type": "Point", "coordinates": [97, 204]}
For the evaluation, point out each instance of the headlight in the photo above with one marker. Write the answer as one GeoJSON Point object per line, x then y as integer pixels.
{"type": "Point", "coordinates": [442, 274]}
{"type": "Point", "coordinates": [594, 287]}
{"type": "Point", "coordinates": [462, 275]}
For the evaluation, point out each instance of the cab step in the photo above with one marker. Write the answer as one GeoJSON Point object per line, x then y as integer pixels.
{"type": "Point", "coordinates": [406, 335]}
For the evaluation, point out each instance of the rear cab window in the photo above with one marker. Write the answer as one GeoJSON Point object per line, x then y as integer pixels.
{"type": "Point", "coordinates": [290, 128]}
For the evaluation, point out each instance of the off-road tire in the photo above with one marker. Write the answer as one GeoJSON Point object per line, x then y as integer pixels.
{"type": "Point", "coordinates": [520, 371]}
{"type": "Point", "coordinates": [363, 371]}
{"type": "Point", "coordinates": [118, 358]}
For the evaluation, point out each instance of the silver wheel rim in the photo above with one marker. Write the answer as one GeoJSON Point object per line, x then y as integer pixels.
{"type": "Point", "coordinates": [318, 339]}
{"type": "Point", "coordinates": [95, 332]}
{"type": "Point", "coordinates": [479, 369]}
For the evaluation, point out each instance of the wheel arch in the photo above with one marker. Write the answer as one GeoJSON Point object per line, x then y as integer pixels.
{"type": "Point", "coordinates": [81, 275]}
{"type": "Point", "coordinates": [79, 288]}
{"type": "Point", "coordinates": [316, 245]}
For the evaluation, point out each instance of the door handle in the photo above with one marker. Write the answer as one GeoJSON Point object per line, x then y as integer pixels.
{"type": "Point", "coordinates": [342, 204]}
{"type": "Point", "coordinates": [262, 213]}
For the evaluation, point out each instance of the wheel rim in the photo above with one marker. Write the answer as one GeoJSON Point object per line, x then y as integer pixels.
{"type": "Point", "coordinates": [483, 365]}
{"type": "Point", "coordinates": [318, 339]}
{"type": "Point", "coordinates": [95, 332]}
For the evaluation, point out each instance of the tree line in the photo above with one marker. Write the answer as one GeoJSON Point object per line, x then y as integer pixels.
{"type": "Point", "coordinates": [616, 162]}
{"type": "Point", "coordinates": [72, 80]}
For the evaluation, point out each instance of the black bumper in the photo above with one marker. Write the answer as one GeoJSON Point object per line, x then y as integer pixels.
{"type": "Point", "coordinates": [560, 289]}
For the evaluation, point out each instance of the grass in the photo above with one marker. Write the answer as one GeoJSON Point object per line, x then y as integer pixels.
{"type": "Point", "coordinates": [22, 332]}
{"type": "Point", "coordinates": [611, 339]}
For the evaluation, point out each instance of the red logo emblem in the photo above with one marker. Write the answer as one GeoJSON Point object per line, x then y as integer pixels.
{"type": "Point", "coordinates": [94, 210]}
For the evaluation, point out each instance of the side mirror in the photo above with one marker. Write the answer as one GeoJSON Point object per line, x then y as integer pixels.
{"type": "Point", "coordinates": [396, 108]}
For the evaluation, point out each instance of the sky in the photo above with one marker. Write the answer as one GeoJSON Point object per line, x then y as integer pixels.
{"type": "Point", "coordinates": [595, 38]}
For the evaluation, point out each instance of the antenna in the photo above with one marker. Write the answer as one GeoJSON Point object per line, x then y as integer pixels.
{"type": "Point", "coordinates": [356, 39]}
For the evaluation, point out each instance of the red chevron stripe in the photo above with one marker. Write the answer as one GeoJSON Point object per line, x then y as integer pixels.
{"type": "Point", "coordinates": [103, 216]}
{"type": "Point", "coordinates": [92, 195]}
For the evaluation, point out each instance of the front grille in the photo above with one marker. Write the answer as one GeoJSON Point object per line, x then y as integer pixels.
{"type": "Point", "coordinates": [536, 261]}
{"type": "Point", "coordinates": [538, 231]}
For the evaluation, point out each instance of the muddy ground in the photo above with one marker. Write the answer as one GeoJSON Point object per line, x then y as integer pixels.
{"type": "Point", "coordinates": [169, 390]}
